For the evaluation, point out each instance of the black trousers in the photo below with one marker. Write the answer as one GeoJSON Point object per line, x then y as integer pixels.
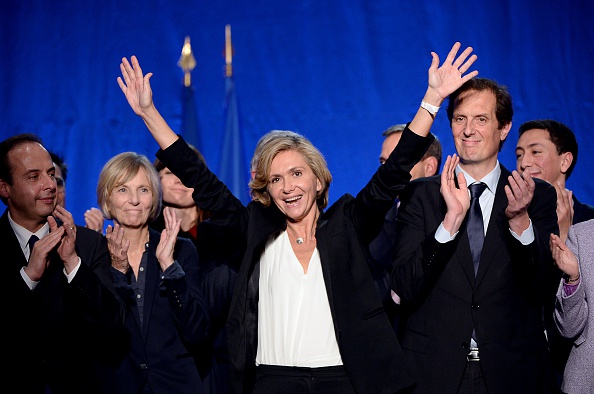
{"type": "Point", "coordinates": [271, 379]}
{"type": "Point", "coordinates": [473, 381]}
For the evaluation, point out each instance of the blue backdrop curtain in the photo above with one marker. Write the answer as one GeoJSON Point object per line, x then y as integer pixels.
{"type": "Point", "coordinates": [339, 72]}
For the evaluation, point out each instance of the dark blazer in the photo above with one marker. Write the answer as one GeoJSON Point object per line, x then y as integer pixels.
{"type": "Point", "coordinates": [175, 317]}
{"type": "Point", "coordinates": [54, 334]}
{"type": "Point", "coordinates": [368, 346]}
{"type": "Point", "coordinates": [581, 211]}
{"type": "Point", "coordinates": [442, 301]}
{"type": "Point", "coordinates": [218, 272]}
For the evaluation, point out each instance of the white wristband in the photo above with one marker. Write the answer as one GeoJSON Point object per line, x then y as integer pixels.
{"type": "Point", "coordinates": [432, 109]}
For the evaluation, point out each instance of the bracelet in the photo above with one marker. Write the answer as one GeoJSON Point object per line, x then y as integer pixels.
{"type": "Point", "coordinates": [569, 280]}
{"type": "Point", "coordinates": [432, 109]}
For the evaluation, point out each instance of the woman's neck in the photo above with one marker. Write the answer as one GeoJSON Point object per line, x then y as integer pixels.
{"type": "Point", "coordinates": [304, 230]}
{"type": "Point", "coordinates": [138, 237]}
{"type": "Point", "coordinates": [189, 217]}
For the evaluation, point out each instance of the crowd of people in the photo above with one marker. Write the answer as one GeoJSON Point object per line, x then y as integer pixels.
{"type": "Point", "coordinates": [469, 280]}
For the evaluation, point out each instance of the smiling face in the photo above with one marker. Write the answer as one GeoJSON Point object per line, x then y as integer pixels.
{"type": "Point", "coordinates": [476, 132]}
{"type": "Point", "coordinates": [293, 186]}
{"type": "Point", "coordinates": [175, 194]}
{"type": "Point", "coordinates": [32, 195]}
{"type": "Point", "coordinates": [130, 203]}
{"type": "Point", "coordinates": [538, 154]}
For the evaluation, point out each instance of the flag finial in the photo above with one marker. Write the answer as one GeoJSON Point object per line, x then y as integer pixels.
{"type": "Point", "coordinates": [228, 52]}
{"type": "Point", "coordinates": [187, 62]}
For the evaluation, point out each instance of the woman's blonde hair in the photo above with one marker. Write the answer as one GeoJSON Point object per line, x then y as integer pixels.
{"type": "Point", "coordinates": [121, 169]}
{"type": "Point", "coordinates": [277, 141]}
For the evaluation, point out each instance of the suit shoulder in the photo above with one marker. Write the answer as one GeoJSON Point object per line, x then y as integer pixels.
{"type": "Point", "coordinates": [424, 184]}
{"type": "Point", "coordinates": [86, 234]}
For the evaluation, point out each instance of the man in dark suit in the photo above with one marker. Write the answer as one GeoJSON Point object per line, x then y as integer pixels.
{"type": "Point", "coordinates": [58, 303]}
{"type": "Point", "coordinates": [474, 325]}
{"type": "Point", "coordinates": [381, 248]}
{"type": "Point", "coordinates": [549, 150]}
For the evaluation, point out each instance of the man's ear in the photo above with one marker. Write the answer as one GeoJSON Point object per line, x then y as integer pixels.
{"type": "Point", "coordinates": [4, 189]}
{"type": "Point", "coordinates": [566, 160]}
{"type": "Point", "coordinates": [430, 166]}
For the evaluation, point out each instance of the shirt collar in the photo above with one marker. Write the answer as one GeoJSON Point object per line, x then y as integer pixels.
{"type": "Point", "coordinates": [490, 179]}
{"type": "Point", "coordinates": [23, 234]}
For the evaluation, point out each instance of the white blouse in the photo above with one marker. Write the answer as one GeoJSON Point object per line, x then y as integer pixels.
{"type": "Point", "coordinates": [294, 321]}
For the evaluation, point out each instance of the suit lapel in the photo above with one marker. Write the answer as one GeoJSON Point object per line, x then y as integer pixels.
{"type": "Point", "coordinates": [12, 249]}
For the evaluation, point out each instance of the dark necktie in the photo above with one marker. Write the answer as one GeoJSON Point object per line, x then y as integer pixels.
{"type": "Point", "coordinates": [475, 228]}
{"type": "Point", "coordinates": [32, 241]}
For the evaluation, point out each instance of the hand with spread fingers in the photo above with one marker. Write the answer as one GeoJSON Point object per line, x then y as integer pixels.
{"type": "Point", "coordinates": [168, 238]}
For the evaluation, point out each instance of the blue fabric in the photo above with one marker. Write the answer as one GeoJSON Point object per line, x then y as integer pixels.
{"type": "Point", "coordinates": [233, 171]}
{"type": "Point", "coordinates": [338, 72]}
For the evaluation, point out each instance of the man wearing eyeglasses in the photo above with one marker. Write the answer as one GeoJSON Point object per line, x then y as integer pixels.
{"type": "Point", "coordinates": [61, 173]}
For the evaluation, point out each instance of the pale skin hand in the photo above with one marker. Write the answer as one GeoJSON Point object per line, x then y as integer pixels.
{"type": "Point", "coordinates": [118, 247]}
{"type": "Point", "coordinates": [564, 257]}
{"type": "Point", "coordinates": [94, 219]}
{"type": "Point", "coordinates": [442, 81]}
{"type": "Point", "coordinates": [166, 245]}
{"type": "Point", "coordinates": [135, 86]}
{"type": "Point", "coordinates": [446, 79]}
{"type": "Point", "coordinates": [38, 261]}
{"type": "Point", "coordinates": [564, 210]}
{"type": "Point", "coordinates": [66, 249]}
{"type": "Point", "coordinates": [457, 199]}
{"type": "Point", "coordinates": [519, 194]}
{"type": "Point", "coordinates": [137, 90]}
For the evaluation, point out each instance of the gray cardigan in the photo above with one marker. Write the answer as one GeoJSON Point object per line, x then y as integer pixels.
{"type": "Point", "coordinates": [572, 316]}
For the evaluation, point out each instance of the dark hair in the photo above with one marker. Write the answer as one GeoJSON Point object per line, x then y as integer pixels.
{"type": "Point", "coordinates": [504, 110]}
{"type": "Point", "coordinates": [434, 150]}
{"type": "Point", "coordinates": [7, 146]}
{"type": "Point", "coordinates": [58, 160]}
{"type": "Point", "coordinates": [560, 135]}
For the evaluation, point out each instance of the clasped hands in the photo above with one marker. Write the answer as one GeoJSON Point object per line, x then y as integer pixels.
{"type": "Point", "coordinates": [64, 237]}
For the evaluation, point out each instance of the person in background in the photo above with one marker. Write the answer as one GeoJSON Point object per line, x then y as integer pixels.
{"type": "Point", "coordinates": [473, 281]}
{"type": "Point", "coordinates": [94, 219]}
{"type": "Point", "coordinates": [157, 276]}
{"type": "Point", "coordinates": [549, 150]}
{"type": "Point", "coordinates": [382, 247]}
{"type": "Point", "coordinates": [573, 316]}
{"type": "Point", "coordinates": [305, 315]}
{"type": "Point", "coordinates": [93, 216]}
{"type": "Point", "coordinates": [60, 175]}
{"type": "Point", "coordinates": [58, 301]}
{"type": "Point", "coordinates": [218, 270]}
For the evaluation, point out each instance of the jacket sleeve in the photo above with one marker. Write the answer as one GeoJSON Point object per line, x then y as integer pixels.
{"type": "Point", "coordinates": [377, 197]}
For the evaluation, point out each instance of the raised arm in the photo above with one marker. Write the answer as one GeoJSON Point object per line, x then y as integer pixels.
{"type": "Point", "coordinates": [443, 81]}
{"type": "Point", "coordinates": [138, 92]}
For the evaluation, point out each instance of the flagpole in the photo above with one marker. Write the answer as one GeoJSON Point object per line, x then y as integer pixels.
{"type": "Point", "coordinates": [189, 117]}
